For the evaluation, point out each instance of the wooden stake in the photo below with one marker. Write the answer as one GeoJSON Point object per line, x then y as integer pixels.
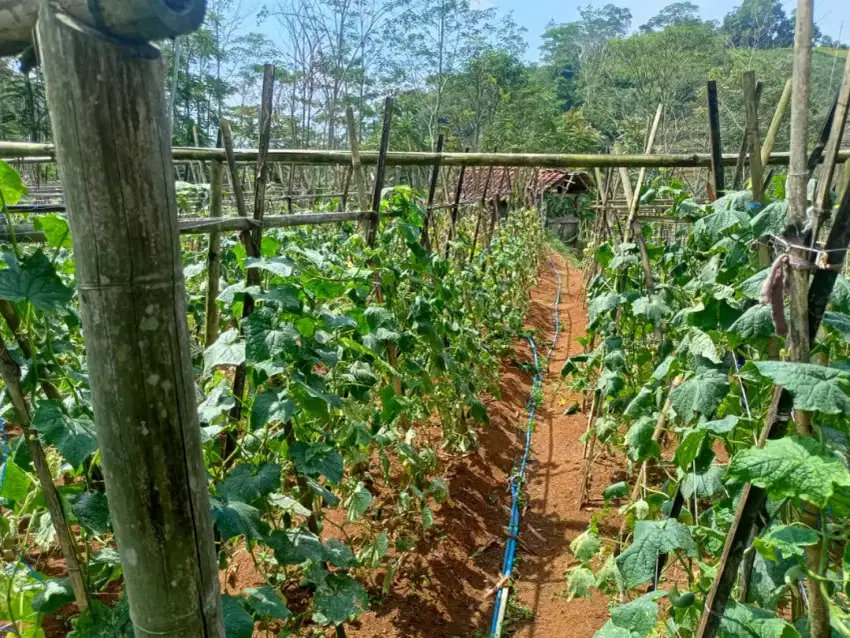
{"type": "Point", "coordinates": [213, 256]}
{"type": "Point", "coordinates": [775, 123]}
{"type": "Point", "coordinates": [716, 145]}
{"type": "Point", "coordinates": [455, 207]}
{"type": "Point", "coordinates": [380, 171]}
{"type": "Point", "coordinates": [754, 146]}
{"type": "Point", "coordinates": [235, 179]}
{"type": "Point", "coordinates": [356, 166]}
{"type": "Point", "coordinates": [738, 180]}
{"type": "Point", "coordinates": [432, 191]}
{"type": "Point", "coordinates": [107, 105]}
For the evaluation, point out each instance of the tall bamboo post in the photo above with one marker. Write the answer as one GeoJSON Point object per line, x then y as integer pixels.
{"type": "Point", "coordinates": [107, 104]}
{"type": "Point", "coordinates": [754, 146]}
{"type": "Point", "coordinates": [432, 191]}
{"type": "Point", "coordinates": [738, 179]}
{"type": "Point", "coordinates": [213, 250]}
{"type": "Point", "coordinates": [251, 239]}
{"type": "Point", "coordinates": [775, 124]}
{"type": "Point", "coordinates": [235, 179]}
{"type": "Point", "coordinates": [380, 172]}
{"type": "Point", "coordinates": [714, 134]}
{"type": "Point", "coordinates": [455, 207]}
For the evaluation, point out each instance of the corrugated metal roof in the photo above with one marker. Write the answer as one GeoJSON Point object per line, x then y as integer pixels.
{"type": "Point", "coordinates": [499, 182]}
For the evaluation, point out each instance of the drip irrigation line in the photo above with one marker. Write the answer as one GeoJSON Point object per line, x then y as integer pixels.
{"type": "Point", "coordinates": [517, 478]}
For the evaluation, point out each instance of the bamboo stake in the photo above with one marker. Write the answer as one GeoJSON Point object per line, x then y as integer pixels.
{"type": "Point", "coordinates": [213, 256]}
{"type": "Point", "coordinates": [714, 135]}
{"type": "Point", "coordinates": [107, 104]}
{"type": "Point", "coordinates": [742, 153]}
{"type": "Point", "coordinates": [432, 191]}
{"type": "Point", "coordinates": [11, 374]}
{"type": "Point", "coordinates": [754, 146]}
{"type": "Point", "coordinates": [775, 123]}
{"type": "Point", "coordinates": [377, 195]}
{"type": "Point", "coordinates": [230, 157]}
{"type": "Point", "coordinates": [356, 166]}
{"type": "Point", "coordinates": [455, 207]}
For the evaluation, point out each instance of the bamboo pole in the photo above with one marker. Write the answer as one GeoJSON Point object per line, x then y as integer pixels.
{"type": "Point", "coordinates": [15, 151]}
{"type": "Point", "coordinates": [11, 375]}
{"type": "Point", "coordinates": [251, 239]}
{"type": "Point", "coordinates": [107, 105]}
{"type": "Point", "coordinates": [821, 200]}
{"type": "Point", "coordinates": [455, 207]}
{"type": "Point", "coordinates": [738, 179]}
{"type": "Point", "coordinates": [432, 191]}
{"type": "Point", "coordinates": [230, 157]}
{"type": "Point", "coordinates": [213, 256]}
{"type": "Point", "coordinates": [775, 124]}
{"type": "Point", "coordinates": [754, 146]}
{"type": "Point", "coordinates": [714, 135]}
{"type": "Point", "coordinates": [356, 166]}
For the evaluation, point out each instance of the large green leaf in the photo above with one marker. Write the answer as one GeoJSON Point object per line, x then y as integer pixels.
{"type": "Point", "coordinates": [785, 541]}
{"type": "Point", "coordinates": [652, 307]}
{"type": "Point", "coordinates": [643, 402]}
{"type": "Point", "coordinates": [651, 538]}
{"type": "Point", "coordinates": [35, 281]}
{"type": "Point", "coordinates": [237, 519]}
{"type": "Point", "coordinates": [101, 621]}
{"type": "Point", "coordinates": [795, 466]}
{"type": "Point", "coordinates": [228, 350]}
{"type": "Point", "coordinates": [294, 546]}
{"type": "Point", "coordinates": [755, 323]}
{"type": "Point", "coordinates": [358, 502]}
{"type": "Point", "coordinates": [751, 288]}
{"type": "Point", "coordinates": [710, 228]}
{"type": "Point", "coordinates": [771, 219]}
{"type": "Point", "coordinates": [340, 598]}
{"type": "Point", "coordinates": [699, 344]}
{"type": "Point", "coordinates": [339, 554]}
{"type": "Point", "coordinates": [579, 582]}
{"type": "Point", "coordinates": [271, 406]}
{"type": "Point", "coordinates": [57, 593]}
{"type": "Point", "coordinates": [691, 444]}
{"type": "Point", "coordinates": [744, 621]}
{"type": "Point", "coordinates": [11, 186]}
{"type": "Point", "coordinates": [248, 484]}
{"type": "Point", "coordinates": [55, 229]}
{"type": "Point", "coordinates": [266, 338]}
{"type": "Point", "coordinates": [16, 482]}
{"type": "Point", "coordinates": [639, 442]}
{"type": "Point", "coordinates": [814, 387]}
{"type": "Point", "coordinates": [238, 623]}
{"type": "Point", "coordinates": [700, 394]}
{"type": "Point", "coordinates": [602, 303]}
{"type": "Point", "coordinates": [838, 322]}
{"type": "Point", "coordinates": [218, 401]}
{"type": "Point", "coordinates": [280, 266]}
{"type": "Point", "coordinates": [265, 602]}
{"type": "Point", "coordinates": [315, 459]}
{"type": "Point", "coordinates": [704, 484]}
{"type": "Point", "coordinates": [74, 438]}
{"type": "Point", "coordinates": [585, 546]}
{"type": "Point", "coordinates": [639, 616]}
{"type": "Point", "coordinates": [92, 511]}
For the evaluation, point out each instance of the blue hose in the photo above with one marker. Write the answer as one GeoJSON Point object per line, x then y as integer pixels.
{"type": "Point", "coordinates": [517, 478]}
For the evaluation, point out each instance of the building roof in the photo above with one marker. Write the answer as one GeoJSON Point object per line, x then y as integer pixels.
{"type": "Point", "coordinates": [499, 182]}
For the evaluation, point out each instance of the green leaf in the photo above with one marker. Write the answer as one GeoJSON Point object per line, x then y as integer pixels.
{"type": "Point", "coordinates": [92, 511]}
{"type": "Point", "coordinates": [237, 519]}
{"type": "Point", "coordinates": [358, 502]}
{"type": "Point", "coordinates": [652, 307]}
{"type": "Point", "coordinates": [317, 459]}
{"type": "Point", "coordinates": [247, 484]}
{"type": "Point", "coordinates": [710, 228]}
{"type": "Point", "coordinates": [339, 554]}
{"type": "Point", "coordinates": [228, 350]}
{"type": "Point", "coordinates": [639, 616]}
{"type": "Point", "coordinates": [35, 281]}
{"type": "Point", "coordinates": [601, 304]}
{"type": "Point", "coordinates": [55, 229]}
{"type": "Point", "coordinates": [615, 490]}
{"type": "Point", "coordinates": [579, 582]}
{"type": "Point", "coordinates": [840, 297]}
{"type": "Point", "coordinates": [266, 339]}
{"type": "Point", "coordinates": [586, 545]}
{"type": "Point", "coordinates": [280, 266]}
{"type": "Point", "coordinates": [287, 297]}
{"type": "Point", "coordinates": [57, 593]}
{"type": "Point", "coordinates": [218, 401]}
{"type": "Point", "coordinates": [651, 538]}
{"type": "Point", "coordinates": [288, 504]}
{"type": "Point", "coordinates": [643, 402]}
{"type": "Point", "coordinates": [755, 323]}
{"type": "Point", "coordinates": [238, 623]}
{"type": "Point", "coordinates": [340, 598]}
{"type": "Point", "coordinates": [16, 482]}
{"type": "Point", "coordinates": [793, 467]}
{"type": "Point", "coordinates": [271, 406]}
{"type": "Point", "coordinates": [700, 394]}
{"type": "Point", "coordinates": [663, 368]}
{"type": "Point", "coordinates": [639, 442]}
{"type": "Point", "coordinates": [690, 446]}
{"type": "Point", "coordinates": [744, 621]}
{"type": "Point", "coordinates": [265, 602]}
{"type": "Point", "coordinates": [705, 484]}
{"type": "Point", "coordinates": [785, 541]}
{"type": "Point", "coordinates": [771, 219]}
{"type": "Point", "coordinates": [11, 186]}
{"type": "Point", "coordinates": [838, 322]}
{"type": "Point", "coordinates": [99, 621]}
{"type": "Point", "coordinates": [294, 546]}
{"type": "Point", "coordinates": [74, 438]}
{"type": "Point", "coordinates": [699, 344]}
{"type": "Point", "coordinates": [610, 630]}
{"type": "Point", "coordinates": [814, 387]}
{"type": "Point", "coordinates": [751, 288]}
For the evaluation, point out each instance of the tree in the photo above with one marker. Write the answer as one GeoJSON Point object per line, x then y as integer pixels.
{"type": "Point", "coordinates": [675, 14]}
{"type": "Point", "coordinates": [759, 24]}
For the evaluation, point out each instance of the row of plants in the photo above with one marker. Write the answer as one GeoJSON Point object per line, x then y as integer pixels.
{"type": "Point", "coordinates": [365, 366]}
{"type": "Point", "coordinates": [684, 379]}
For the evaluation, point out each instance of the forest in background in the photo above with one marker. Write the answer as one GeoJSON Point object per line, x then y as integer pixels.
{"type": "Point", "coordinates": [462, 71]}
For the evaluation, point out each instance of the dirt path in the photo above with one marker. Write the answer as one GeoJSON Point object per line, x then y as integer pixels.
{"type": "Point", "coordinates": [446, 591]}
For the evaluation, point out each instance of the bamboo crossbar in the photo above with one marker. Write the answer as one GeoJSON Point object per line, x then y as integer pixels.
{"type": "Point", "coordinates": [18, 150]}
{"type": "Point", "coordinates": [207, 225]}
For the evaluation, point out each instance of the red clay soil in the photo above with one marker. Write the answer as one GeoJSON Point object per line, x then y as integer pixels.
{"type": "Point", "coordinates": [449, 590]}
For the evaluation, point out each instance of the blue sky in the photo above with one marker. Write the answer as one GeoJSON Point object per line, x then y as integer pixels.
{"type": "Point", "coordinates": [534, 15]}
